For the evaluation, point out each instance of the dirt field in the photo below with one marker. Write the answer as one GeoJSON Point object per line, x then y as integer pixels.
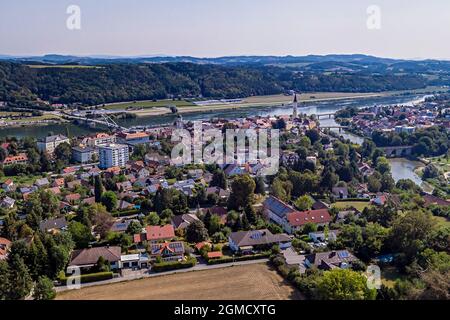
{"type": "Point", "coordinates": [253, 282]}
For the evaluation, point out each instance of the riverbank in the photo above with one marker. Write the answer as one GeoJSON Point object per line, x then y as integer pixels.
{"type": "Point", "coordinates": [257, 101]}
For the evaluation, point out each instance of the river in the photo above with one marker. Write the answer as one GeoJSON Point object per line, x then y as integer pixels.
{"type": "Point", "coordinates": [401, 168]}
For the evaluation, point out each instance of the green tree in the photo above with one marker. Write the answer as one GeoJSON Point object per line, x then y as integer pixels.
{"type": "Point", "coordinates": [134, 227]}
{"type": "Point", "coordinates": [63, 152]}
{"type": "Point", "coordinates": [152, 219]}
{"type": "Point", "coordinates": [81, 234]}
{"type": "Point", "coordinates": [196, 232]}
{"type": "Point", "coordinates": [44, 290]}
{"type": "Point", "coordinates": [343, 284]}
{"type": "Point", "coordinates": [304, 203]}
{"type": "Point", "coordinates": [109, 200]}
{"type": "Point", "coordinates": [242, 192]}
{"type": "Point", "coordinates": [98, 188]}
{"type": "Point", "coordinates": [20, 279]}
{"type": "Point", "coordinates": [260, 187]}
{"type": "Point", "coordinates": [219, 179]}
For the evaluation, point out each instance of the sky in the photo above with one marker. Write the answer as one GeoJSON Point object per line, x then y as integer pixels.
{"type": "Point", "coordinates": [414, 29]}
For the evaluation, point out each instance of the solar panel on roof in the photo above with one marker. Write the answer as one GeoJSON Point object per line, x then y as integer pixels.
{"type": "Point", "coordinates": [343, 254]}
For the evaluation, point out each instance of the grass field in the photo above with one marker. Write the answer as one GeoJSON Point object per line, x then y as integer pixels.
{"type": "Point", "coordinates": [360, 205]}
{"type": "Point", "coordinates": [148, 104]}
{"type": "Point", "coordinates": [21, 180]}
{"type": "Point", "coordinates": [35, 119]}
{"type": "Point", "coordinates": [388, 276]}
{"type": "Point", "coordinates": [247, 282]}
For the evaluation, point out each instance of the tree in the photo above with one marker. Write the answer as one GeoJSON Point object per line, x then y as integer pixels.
{"type": "Point", "coordinates": [383, 165]}
{"type": "Point", "coordinates": [260, 187]}
{"type": "Point", "coordinates": [344, 284]}
{"type": "Point", "coordinates": [410, 233]}
{"type": "Point", "coordinates": [387, 182]}
{"type": "Point", "coordinates": [98, 188]}
{"type": "Point", "coordinates": [313, 135]}
{"type": "Point", "coordinates": [430, 172]}
{"type": "Point", "coordinates": [166, 214]}
{"type": "Point", "coordinates": [109, 200]}
{"type": "Point", "coordinates": [5, 285]}
{"type": "Point", "coordinates": [81, 234]}
{"type": "Point", "coordinates": [44, 290]}
{"type": "Point", "coordinates": [63, 152]}
{"type": "Point", "coordinates": [196, 232]}
{"type": "Point", "coordinates": [373, 184]}
{"type": "Point", "coordinates": [20, 279]}
{"type": "Point", "coordinates": [242, 192]}
{"type": "Point", "coordinates": [152, 219]}
{"type": "Point", "coordinates": [134, 227]}
{"type": "Point", "coordinates": [304, 203]}
{"type": "Point", "coordinates": [3, 155]}
{"type": "Point", "coordinates": [219, 179]}
{"type": "Point", "coordinates": [214, 224]}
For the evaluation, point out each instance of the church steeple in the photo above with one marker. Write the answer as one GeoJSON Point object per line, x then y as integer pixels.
{"type": "Point", "coordinates": [295, 106]}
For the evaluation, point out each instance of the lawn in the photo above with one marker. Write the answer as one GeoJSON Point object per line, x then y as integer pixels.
{"type": "Point", "coordinates": [148, 104]}
{"type": "Point", "coordinates": [21, 180]}
{"type": "Point", "coordinates": [35, 119]}
{"type": "Point", "coordinates": [359, 205]}
{"type": "Point", "coordinates": [245, 282]}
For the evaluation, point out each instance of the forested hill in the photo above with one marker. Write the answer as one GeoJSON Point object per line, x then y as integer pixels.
{"type": "Point", "coordinates": [24, 85]}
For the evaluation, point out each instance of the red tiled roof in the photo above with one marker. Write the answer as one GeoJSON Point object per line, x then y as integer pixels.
{"type": "Point", "coordinates": [13, 159]}
{"type": "Point", "coordinates": [299, 218]}
{"type": "Point", "coordinates": [160, 233]}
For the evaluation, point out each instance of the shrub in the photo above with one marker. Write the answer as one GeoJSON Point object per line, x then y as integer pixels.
{"type": "Point", "coordinates": [174, 265]}
{"type": "Point", "coordinates": [91, 277]}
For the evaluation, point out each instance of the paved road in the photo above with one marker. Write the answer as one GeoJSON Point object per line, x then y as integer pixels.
{"type": "Point", "coordinates": [141, 274]}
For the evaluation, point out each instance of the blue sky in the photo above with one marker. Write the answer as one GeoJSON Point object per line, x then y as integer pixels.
{"type": "Point", "coordinates": [409, 29]}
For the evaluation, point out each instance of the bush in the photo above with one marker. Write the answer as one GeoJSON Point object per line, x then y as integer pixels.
{"type": "Point", "coordinates": [174, 265]}
{"type": "Point", "coordinates": [239, 258]}
{"type": "Point", "coordinates": [91, 277]}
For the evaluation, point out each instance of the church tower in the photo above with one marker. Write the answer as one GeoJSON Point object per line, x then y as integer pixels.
{"type": "Point", "coordinates": [295, 105]}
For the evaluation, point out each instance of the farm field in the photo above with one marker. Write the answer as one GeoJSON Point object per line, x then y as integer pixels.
{"type": "Point", "coordinates": [148, 104]}
{"type": "Point", "coordinates": [252, 282]}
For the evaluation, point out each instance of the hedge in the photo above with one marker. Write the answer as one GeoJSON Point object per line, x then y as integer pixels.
{"type": "Point", "coordinates": [353, 200]}
{"type": "Point", "coordinates": [91, 277]}
{"type": "Point", "coordinates": [174, 265]}
{"type": "Point", "coordinates": [239, 258]}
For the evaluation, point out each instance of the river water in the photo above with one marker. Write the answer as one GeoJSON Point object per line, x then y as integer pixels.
{"type": "Point", "coordinates": [401, 168]}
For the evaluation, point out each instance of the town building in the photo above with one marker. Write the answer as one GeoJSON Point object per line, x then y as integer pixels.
{"type": "Point", "coordinates": [49, 144]}
{"type": "Point", "coordinates": [113, 155]}
{"type": "Point", "coordinates": [84, 155]}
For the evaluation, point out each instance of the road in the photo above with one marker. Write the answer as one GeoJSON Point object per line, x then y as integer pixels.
{"type": "Point", "coordinates": [141, 274]}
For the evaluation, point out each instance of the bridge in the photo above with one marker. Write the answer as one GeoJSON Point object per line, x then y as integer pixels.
{"type": "Point", "coordinates": [400, 151]}
{"type": "Point", "coordinates": [334, 127]}
{"type": "Point", "coordinates": [107, 120]}
{"type": "Point", "coordinates": [329, 115]}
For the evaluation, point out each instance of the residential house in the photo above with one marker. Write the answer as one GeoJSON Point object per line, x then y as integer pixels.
{"type": "Point", "coordinates": [154, 234]}
{"type": "Point", "coordinates": [87, 258]}
{"type": "Point", "coordinates": [53, 225]}
{"type": "Point", "coordinates": [58, 183]}
{"type": "Point", "coordinates": [137, 260]}
{"type": "Point", "coordinates": [330, 260]}
{"type": "Point", "coordinates": [276, 210]}
{"type": "Point", "coordinates": [340, 192]}
{"type": "Point", "coordinates": [19, 159]}
{"type": "Point", "coordinates": [296, 220]}
{"type": "Point", "coordinates": [5, 244]}
{"type": "Point", "coordinates": [184, 220]}
{"type": "Point", "coordinates": [322, 236]}
{"type": "Point", "coordinates": [72, 198]}
{"type": "Point", "coordinates": [40, 183]}
{"type": "Point", "coordinates": [7, 203]}
{"type": "Point", "coordinates": [99, 139]}
{"type": "Point", "coordinates": [167, 251]}
{"type": "Point", "coordinates": [8, 185]}
{"type": "Point", "coordinates": [250, 241]}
